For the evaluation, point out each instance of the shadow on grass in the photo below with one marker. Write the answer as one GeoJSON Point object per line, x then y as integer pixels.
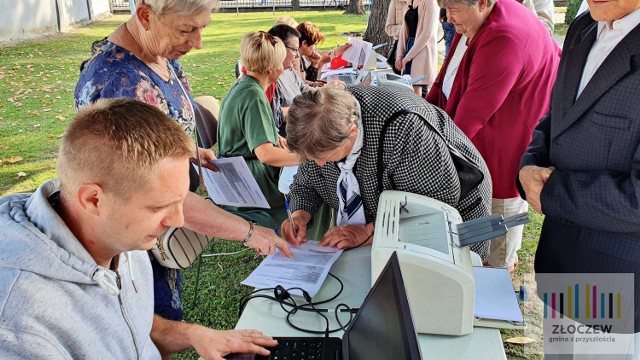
{"type": "Point", "coordinates": [36, 173]}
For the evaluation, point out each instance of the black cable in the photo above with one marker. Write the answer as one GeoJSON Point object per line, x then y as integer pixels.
{"type": "Point", "coordinates": [283, 297]}
{"type": "Point", "coordinates": [245, 299]}
{"type": "Point", "coordinates": [337, 311]}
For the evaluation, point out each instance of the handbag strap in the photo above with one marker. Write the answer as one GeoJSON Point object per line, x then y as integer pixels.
{"type": "Point", "coordinates": [195, 128]}
{"type": "Point", "coordinates": [452, 151]}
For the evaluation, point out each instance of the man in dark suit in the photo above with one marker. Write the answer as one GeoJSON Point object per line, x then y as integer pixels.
{"type": "Point", "coordinates": [582, 168]}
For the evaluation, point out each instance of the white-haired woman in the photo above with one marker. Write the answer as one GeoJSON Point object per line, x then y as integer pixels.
{"type": "Point", "coordinates": [140, 60]}
{"type": "Point", "coordinates": [246, 126]}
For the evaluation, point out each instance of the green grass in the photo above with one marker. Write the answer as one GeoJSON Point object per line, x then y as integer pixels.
{"type": "Point", "coordinates": [37, 80]}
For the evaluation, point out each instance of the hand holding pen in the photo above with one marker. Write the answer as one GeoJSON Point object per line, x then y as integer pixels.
{"type": "Point", "coordinates": [294, 229]}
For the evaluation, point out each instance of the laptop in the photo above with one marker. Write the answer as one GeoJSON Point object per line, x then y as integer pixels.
{"type": "Point", "coordinates": [381, 330]}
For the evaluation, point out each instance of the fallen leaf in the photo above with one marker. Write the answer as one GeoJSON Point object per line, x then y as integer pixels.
{"type": "Point", "coordinates": [13, 159]}
{"type": "Point", "coordinates": [60, 117]}
{"type": "Point", "coordinates": [520, 340]}
{"type": "Point", "coordinates": [46, 110]}
{"type": "Point", "coordinates": [22, 174]}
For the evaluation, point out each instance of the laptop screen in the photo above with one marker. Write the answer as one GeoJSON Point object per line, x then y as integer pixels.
{"type": "Point", "coordinates": [383, 327]}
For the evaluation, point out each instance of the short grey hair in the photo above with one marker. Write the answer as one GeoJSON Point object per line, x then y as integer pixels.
{"type": "Point", "coordinates": [184, 7]}
{"type": "Point", "coordinates": [318, 121]}
{"type": "Point", "coordinates": [445, 3]}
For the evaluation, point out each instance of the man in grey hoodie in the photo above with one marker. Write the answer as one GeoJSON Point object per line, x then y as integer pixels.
{"type": "Point", "coordinates": [75, 277]}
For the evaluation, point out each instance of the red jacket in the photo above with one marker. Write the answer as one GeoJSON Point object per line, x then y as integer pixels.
{"type": "Point", "coordinates": [502, 89]}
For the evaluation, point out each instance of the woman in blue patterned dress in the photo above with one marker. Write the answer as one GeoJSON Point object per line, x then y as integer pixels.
{"type": "Point", "coordinates": [140, 60]}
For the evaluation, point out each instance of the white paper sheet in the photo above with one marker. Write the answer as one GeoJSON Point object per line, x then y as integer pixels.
{"type": "Point", "coordinates": [307, 269]}
{"type": "Point", "coordinates": [495, 297]}
{"type": "Point", "coordinates": [234, 185]}
{"type": "Point", "coordinates": [359, 52]}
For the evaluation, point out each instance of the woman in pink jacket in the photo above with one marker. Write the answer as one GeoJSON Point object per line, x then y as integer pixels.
{"type": "Point", "coordinates": [417, 52]}
{"type": "Point", "coordinates": [496, 85]}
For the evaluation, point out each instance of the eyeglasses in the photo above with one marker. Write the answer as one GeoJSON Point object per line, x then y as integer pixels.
{"type": "Point", "coordinates": [269, 37]}
{"type": "Point", "coordinates": [295, 50]}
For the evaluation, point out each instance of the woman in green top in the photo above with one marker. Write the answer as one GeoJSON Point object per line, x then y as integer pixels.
{"type": "Point", "coordinates": [246, 127]}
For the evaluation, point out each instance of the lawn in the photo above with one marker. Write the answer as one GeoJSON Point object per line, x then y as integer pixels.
{"type": "Point", "coordinates": [37, 80]}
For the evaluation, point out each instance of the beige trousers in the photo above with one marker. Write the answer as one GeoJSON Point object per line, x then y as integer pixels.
{"type": "Point", "coordinates": [504, 248]}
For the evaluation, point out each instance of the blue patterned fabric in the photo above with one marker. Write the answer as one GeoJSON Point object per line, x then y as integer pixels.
{"type": "Point", "coordinates": [113, 72]}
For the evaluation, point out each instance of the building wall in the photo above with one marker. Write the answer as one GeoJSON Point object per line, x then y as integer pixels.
{"type": "Point", "coordinates": [25, 18]}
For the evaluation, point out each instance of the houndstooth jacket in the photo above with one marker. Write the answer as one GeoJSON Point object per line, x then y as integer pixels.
{"type": "Point", "coordinates": [414, 160]}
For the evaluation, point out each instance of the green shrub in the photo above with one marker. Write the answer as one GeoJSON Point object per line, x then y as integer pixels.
{"type": "Point", "coordinates": [572, 10]}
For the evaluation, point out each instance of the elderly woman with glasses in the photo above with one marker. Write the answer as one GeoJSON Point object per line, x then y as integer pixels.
{"type": "Point", "coordinates": [339, 133]}
{"type": "Point", "coordinates": [139, 60]}
{"type": "Point", "coordinates": [496, 85]}
{"type": "Point", "coordinates": [247, 129]}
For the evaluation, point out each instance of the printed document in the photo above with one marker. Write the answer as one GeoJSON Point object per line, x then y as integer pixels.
{"type": "Point", "coordinates": [234, 185]}
{"type": "Point", "coordinates": [307, 269]}
{"type": "Point", "coordinates": [359, 52]}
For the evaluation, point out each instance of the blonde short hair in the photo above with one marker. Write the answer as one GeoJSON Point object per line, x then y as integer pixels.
{"type": "Point", "coordinates": [318, 121]}
{"type": "Point", "coordinates": [184, 7]}
{"type": "Point", "coordinates": [286, 20]}
{"type": "Point", "coordinates": [260, 52]}
{"type": "Point", "coordinates": [118, 143]}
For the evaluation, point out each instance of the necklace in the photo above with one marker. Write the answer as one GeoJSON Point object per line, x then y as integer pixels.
{"type": "Point", "coordinates": [163, 71]}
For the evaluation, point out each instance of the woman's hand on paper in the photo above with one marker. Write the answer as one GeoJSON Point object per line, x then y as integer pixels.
{"type": "Point", "coordinates": [265, 240]}
{"type": "Point", "coordinates": [346, 236]}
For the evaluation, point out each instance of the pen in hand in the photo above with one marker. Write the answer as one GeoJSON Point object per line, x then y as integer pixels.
{"type": "Point", "coordinates": [288, 208]}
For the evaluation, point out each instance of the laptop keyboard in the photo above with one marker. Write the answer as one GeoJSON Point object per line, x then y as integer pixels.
{"type": "Point", "coordinates": [307, 349]}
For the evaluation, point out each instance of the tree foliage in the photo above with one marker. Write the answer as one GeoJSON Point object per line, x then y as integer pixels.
{"type": "Point", "coordinates": [572, 11]}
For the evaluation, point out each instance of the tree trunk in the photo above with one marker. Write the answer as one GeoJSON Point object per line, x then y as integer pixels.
{"type": "Point", "coordinates": [296, 5]}
{"type": "Point", "coordinates": [375, 28]}
{"type": "Point", "coordinates": [355, 7]}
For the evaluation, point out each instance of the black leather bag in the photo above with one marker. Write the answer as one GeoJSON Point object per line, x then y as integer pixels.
{"type": "Point", "coordinates": [391, 56]}
{"type": "Point", "coordinates": [469, 174]}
